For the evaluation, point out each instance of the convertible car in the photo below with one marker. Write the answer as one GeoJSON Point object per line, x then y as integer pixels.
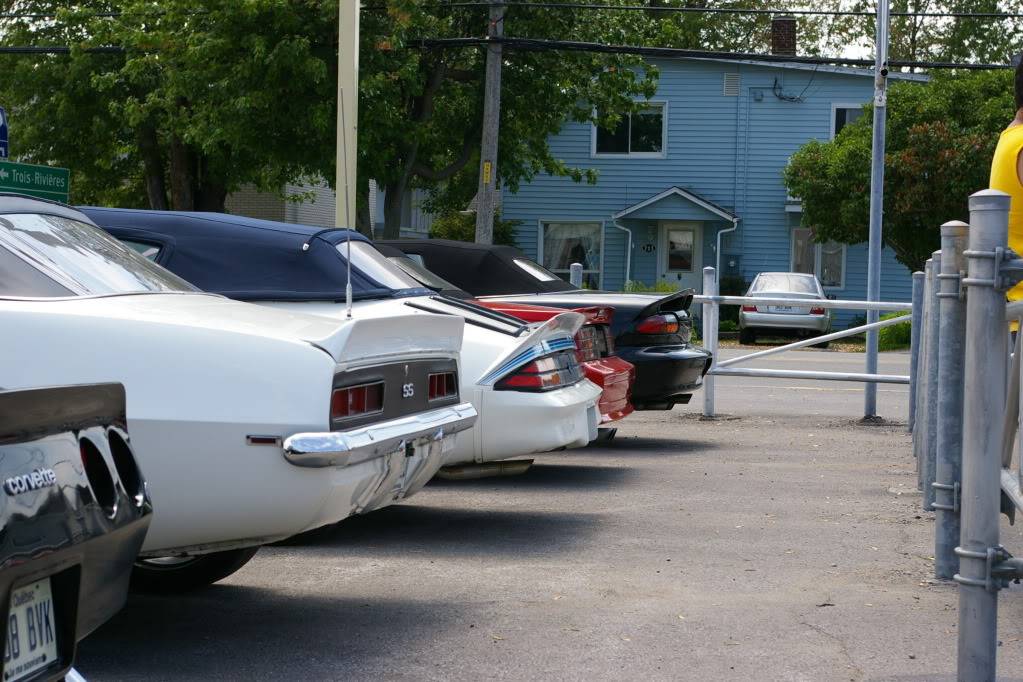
{"type": "Point", "coordinates": [525, 381]}
{"type": "Point", "coordinates": [251, 424]}
{"type": "Point", "coordinates": [652, 332]}
{"type": "Point", "coordinates": [594, 343]}
{"type": "Point", "coordinates": [73, 515]}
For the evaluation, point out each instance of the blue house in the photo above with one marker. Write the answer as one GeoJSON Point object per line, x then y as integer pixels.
{"type": "Point", "coordinates": [695, 179]}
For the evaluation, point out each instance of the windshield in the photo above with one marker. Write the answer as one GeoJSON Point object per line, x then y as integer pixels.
{"type": "Point", "coordinates": [375, 265]}
{"type": "Point", "coordinates": [538, 271]}
{"type": "Point", "coordinates": [802, 284]}
{"type": "Point", "coordinates": [82, 258]}
{"type": "Point", "coordinates": [422, 275]}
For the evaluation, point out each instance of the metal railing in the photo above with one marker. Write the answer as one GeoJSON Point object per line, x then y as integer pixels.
{"type": "Point", "coordinates": [711, 317]}
{"type": "Point", "coordinates": [965, 413]}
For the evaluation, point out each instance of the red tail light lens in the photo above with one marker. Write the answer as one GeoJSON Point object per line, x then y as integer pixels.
{"type": "Point", "coordinates": [816, 311]}
{"type": "Point", "coordinates": [749, 309]}
{"type": "Point", "coordinates": [658, 324]}
{"type": "Point", "coordinates": [356, 401]}
{"type": "Point", "coordinates": [587, 346]}
{"type": "Point", "coordinates": [443, 385]}
{"type": "Point", "coordinates": [545, 374]}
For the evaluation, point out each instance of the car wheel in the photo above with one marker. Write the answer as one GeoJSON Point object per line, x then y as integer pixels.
{"type": "Point", "coordinates": [747, 337]}
{"type": "Point", "coordinates": [168, 575]}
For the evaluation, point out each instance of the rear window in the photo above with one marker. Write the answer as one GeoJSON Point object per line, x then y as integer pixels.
{"type": "Point", "coordinates": [421, 274]}
{"type": "Point", "coordinates": [377, 267]}
{"type": "Point", "coordinates": [80, 258]}
{"type": "Point", "coordinates": [538, 271]}
{"type": "Point", "coordinates": [801, 284]}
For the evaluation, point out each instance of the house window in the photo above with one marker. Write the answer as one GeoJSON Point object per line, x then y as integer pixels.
{"type": "Point", "coordinates": [639, 133]}
{"type": "Point", "coordinates": [567, 243]}
{"type": "Point", "coordinates": [842, 115]}
{"type": "Point", "coordinates": [826, 260]}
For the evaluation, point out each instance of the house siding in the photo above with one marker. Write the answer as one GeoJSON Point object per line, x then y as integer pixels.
{"type": "Point", "coordinates": [728, 150]}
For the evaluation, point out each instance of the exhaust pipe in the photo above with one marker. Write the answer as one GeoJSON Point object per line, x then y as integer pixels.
{"type": "Point", "coordinates": [465, 472]}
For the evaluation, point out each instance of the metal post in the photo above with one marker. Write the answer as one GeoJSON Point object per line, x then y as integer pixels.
{"type": "Point", "coordinates": [486, 192]}
{"type": "Point", "coordinates": [914, 344]}
{"type": "Point", "coordinates": [347, 112]}
{"type": "Point", "coordinates": [933, 329]}
{"type": "Point", "coordinates": [710, 337]}
{"type": "Point", "coordinates": [575, 274]}
{"type": "Point", "coordinates": [923, 385]}
{"type": "Point", "coordinates": [985, 363]}
{"type": "Point", "coordinates": [951, 337]}
{"type": "Point", "coordinates": [876, 195]}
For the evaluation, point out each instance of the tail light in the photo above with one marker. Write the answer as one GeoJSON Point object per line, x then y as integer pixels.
{"type": "Point", "coordinates": [658, 324]}
{"type": "Point", "coordinates": [587, 345]}
{"type": "Point", "coordinates": [545, 374]}
{"type": "Point", "coordinates": [816, 311]}
{"type": "Point", "coordinates": [609, 341]}
{"type": "Point", "coordinates": [356, 401]}
{"type": "Point", "coordinates": [749, 309]}
{"type": "Point", "coordinates": [443, 385]}
{"type": "Point", "coordinates": [127, 468]}
{"type": "Point", "coordinates": [98, 474]}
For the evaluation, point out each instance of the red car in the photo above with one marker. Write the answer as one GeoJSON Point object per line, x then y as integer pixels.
{"type": "Point", "coordinates": [594, 348]}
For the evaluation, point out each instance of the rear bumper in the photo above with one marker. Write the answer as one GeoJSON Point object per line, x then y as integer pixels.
{"type": "Point", "coordinates": [807, 324]}
{"type": "Point", "coordinates": [665, 375]}
{"type": "Point", "coordinates": [614, 376]}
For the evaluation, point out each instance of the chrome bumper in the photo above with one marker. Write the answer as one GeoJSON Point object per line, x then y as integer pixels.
{"type": "Point", "coordinates": [343, 448]}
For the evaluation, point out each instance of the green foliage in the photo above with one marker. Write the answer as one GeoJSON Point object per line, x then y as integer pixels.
{"type": "Point", "coordinates": [728, 326]}
{"type": "Point", "coordinates": [207, 95]}
{"type": "Point", "coordinates": [660, 287]}
{"type": "Point", "coordinates": [941, 136]}
{"type": "Point", "coordinates": [462, 227]}
{"type": "Point", "coordinates": [896, 337]}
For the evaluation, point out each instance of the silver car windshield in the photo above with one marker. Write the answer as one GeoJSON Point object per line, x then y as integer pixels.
{"type": "Point", "coordinates": [802, 284]}
{"type": "Point", "coordinates": [83, 258]}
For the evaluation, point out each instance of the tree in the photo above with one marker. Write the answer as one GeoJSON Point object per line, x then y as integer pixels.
{"type": "Point", "coordinates": [941, 136]}
{"type": "Point", "coordinates": [205, 96]}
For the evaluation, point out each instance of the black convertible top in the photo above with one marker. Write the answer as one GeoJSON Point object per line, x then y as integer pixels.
{"type": "Point", "coordinates": [481, 269]}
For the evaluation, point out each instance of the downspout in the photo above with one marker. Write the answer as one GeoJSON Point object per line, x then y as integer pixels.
{"type": "Point", "coordinates": [733, 228]}
{"type": "Point", "coordinates": [628, 251]}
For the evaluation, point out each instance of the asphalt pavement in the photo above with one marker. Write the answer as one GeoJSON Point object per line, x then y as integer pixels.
{"type": "Point", "coordinates": [781, 541]}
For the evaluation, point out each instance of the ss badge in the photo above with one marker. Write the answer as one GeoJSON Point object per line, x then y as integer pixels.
{"type": "Point", "coordinates": [408, 390]}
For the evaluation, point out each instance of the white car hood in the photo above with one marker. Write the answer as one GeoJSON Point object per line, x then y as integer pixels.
{"type": "Point", "coordinates": [343, 339]}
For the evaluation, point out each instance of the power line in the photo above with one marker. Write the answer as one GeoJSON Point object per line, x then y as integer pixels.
{"type": "Point", "coordinates": [534, 44]}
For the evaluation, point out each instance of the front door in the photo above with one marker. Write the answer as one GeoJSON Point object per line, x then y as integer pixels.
{"type": "Point", "coordinates": [681, 254]}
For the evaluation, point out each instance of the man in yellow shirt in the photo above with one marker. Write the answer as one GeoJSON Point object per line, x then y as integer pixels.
{"type": "Point", "coordinates": [1007, 175]}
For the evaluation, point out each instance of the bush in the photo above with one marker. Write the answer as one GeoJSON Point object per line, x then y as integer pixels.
{"type": "Point", "coordinates": [637, 287]}
{"type": "Point", "coordinates": [462, 227]}
{"type": "Point", "coordinates": [728, 326]}
{"type": "Point", "coordinates": [896, 337]}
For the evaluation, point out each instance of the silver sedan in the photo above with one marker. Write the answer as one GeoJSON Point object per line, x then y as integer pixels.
{"type": "Point", "coordinates": [784, 320]}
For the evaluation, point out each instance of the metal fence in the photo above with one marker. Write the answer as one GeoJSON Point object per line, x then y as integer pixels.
{"type": "Point", "coordinates": [965, 413]}
{"type": "Point", "coordinates": [712, 303]}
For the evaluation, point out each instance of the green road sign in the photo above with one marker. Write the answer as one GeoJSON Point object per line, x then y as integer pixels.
{"type": "Point", "coordinates": [44, 182]}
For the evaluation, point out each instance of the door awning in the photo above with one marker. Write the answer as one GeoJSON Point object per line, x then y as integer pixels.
{"type": "Point", "coordinates": [676, 203]}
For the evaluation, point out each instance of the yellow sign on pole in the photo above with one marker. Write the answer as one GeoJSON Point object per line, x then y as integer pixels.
{"type": "Point", "coordinates": [486, 172]}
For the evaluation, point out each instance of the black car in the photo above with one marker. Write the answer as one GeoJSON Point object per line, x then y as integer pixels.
{"type": "Point", "coordinates": [73, 514]}
{"type": "Point", "coordinates": [652, 332]}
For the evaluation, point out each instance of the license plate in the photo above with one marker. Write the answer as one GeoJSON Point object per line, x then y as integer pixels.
{"type": "Point", "coordinates": [781, 309]}
{"type": "Point", "coordinates": [31, 631]}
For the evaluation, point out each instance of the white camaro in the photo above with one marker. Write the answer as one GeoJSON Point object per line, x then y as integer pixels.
{"type": "Point", "coordinates": [524, 381]}
{"type": "Point", "coordinates": [250, 424]}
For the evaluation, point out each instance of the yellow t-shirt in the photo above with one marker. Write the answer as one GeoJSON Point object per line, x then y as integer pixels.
{"type": "Point", "coordinates": [1005, 177]}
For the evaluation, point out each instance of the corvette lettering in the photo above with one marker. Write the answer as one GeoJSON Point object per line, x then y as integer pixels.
{"type": "Point", "coordinates": [40, 478]}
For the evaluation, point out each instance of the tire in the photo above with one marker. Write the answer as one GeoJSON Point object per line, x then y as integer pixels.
{"type": "Point", "coordinates": [747, 337]}
{"type": "Point", "coordinates": [173, 575]}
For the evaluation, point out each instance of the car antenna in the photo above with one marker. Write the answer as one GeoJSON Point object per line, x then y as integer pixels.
{"type": "Point", "coordinates": [348, 212]}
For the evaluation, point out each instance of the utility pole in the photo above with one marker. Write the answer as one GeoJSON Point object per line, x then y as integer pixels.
{"type": "Point", "coordinates": [486, 195]}
{"type": "Point", "coordinates": [347, 112]}
{"type": "Point", "coordinates": [876, 196]}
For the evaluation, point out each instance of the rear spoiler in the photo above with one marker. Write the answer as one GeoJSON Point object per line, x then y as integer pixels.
{"type": "Point", "coordinates": [553, 335]}
{"type": "Point", "coordinates": [680, 300]}
{"type": "Point", "coordinates": [34, 413]}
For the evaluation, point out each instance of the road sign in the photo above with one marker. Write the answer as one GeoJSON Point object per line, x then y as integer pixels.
{"type": "Point", "coordinates": [44, 182]}
{"type": "Point", "coordinates": [4, 144]}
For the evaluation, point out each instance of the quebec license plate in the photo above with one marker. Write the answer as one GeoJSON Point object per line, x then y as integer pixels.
{"type": "Point", "coordinates": [31, 631]}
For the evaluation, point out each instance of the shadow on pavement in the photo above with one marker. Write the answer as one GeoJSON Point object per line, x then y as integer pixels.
{"type": "Point", "coordinates": [659, 447]}
{"type": "Point", "coordinates": [564, 477]}
{"type": "Point", "coordinates": [242, 632]}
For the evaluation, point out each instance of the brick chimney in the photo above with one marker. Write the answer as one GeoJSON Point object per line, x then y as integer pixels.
{"type": "Point", "coordinates": [783, 35]}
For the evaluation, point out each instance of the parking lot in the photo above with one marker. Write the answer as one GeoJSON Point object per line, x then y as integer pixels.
{"type": "Point", "coordinates": [781, 541]}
